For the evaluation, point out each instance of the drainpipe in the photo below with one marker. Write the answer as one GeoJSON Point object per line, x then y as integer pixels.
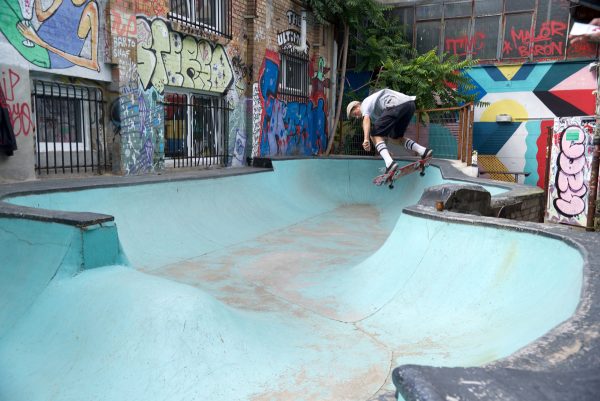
{"type": "Point", "coordinates": [302, 47]}
{"type": "Point", "coordinates": [333, 86]}
{"type": "Point", "coordinates": [595, 158]}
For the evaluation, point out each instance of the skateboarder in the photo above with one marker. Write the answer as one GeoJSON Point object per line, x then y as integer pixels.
{"type": "Point", "coordinates": [390, 112]}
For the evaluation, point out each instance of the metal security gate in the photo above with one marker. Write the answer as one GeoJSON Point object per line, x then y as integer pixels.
{"type": "Point", "coordinates": [70, 133]}
{"type": "Point", "coordinates": [196, 130]}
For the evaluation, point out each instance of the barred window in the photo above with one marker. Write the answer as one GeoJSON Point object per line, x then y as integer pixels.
{"type": "Point", "coordinates": [210, 15]}
{"type": "Point", "coordinates": [293, 79]}
{"type": "Point", "coordinates": [70, 127]}
{"type": "Point", "coordinates": [196, 130]}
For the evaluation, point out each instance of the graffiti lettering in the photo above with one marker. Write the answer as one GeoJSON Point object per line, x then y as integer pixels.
{"type": "Point", "coordinates": [122, 24]}
{"type": "Point", "coordinates": [525, 44]}
{"type": "Point", "coordinates": [155, 8]}
{"type": "Point", "coordinates": [19, 109]}
{"type": "Point", "coordinates": [165, 57]}
{"type": "Point", "coordinates": [464, 45]}
{"type": "Point", "coordinates": [569, 178]}
{"type": "Point", "coordinates": [288, 38]}
{"type": "Point", "coordinates": [293, 18]}
{"type": "Point", "coordinates": [245, 71]}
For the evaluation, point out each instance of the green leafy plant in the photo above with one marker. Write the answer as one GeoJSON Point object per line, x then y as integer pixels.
{"type": "Point", "coordinates": [436, 81]}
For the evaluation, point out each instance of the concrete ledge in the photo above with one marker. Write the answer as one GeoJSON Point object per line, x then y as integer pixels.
{"type": "Point", "coordinates": [501, 384]}
{"type": "Point", "coordinates": [83, 219]}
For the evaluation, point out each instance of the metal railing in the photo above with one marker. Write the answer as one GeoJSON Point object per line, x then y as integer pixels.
{"type": "Point", "coordinates": [213, 16]}
{"type": "Point", "coordinates": [448, 131]}
{"type": "Point", "coordinates": [196, 130]}
{"type": "Point", "coordinates": [70, 132]}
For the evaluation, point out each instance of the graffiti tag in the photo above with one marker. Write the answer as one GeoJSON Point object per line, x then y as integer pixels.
{"type": "Point", "coordinates": [19, 110]}
{"type": "Point", "coordinates": [464, 45]}
{"type": "Point", "coordinates": [547, 42]}
{"type": "Point", "coordinates": [570, 178]}
{"type": "Point", "coordinates": [166, 57]}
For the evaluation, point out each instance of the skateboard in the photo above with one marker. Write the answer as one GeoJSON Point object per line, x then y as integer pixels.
{"type": "Point", "coordinates": [389, 179]}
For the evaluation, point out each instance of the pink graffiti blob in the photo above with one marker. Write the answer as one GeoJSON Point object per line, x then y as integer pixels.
{"type": "Point", "coordinates": [570, 173]}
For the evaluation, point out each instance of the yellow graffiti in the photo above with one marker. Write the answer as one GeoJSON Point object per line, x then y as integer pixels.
{"type": "Point", "coordinates": [168, 58]}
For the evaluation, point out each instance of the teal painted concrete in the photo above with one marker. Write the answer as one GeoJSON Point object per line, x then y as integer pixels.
{"type": "Point", "coordinates": [300, 284]}
{"type": "Point", "coordinates": [33, 253]}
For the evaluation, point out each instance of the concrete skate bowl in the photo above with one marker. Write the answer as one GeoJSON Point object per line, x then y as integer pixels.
{"type": "Point", "coordinates": [305, 282]}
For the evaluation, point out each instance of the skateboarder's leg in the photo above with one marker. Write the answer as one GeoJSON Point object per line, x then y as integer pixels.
{"type": "Point", "coordinates": [383, 151]}
{"type": "Point", "coordinates": [415, 147]}
{"type": "Point", "coordinates": [405, 114]}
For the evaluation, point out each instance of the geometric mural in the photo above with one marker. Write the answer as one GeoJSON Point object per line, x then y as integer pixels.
{"type": "Point", "coordinates": [533, 94]}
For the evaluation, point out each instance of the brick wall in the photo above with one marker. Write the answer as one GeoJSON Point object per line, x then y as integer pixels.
{"type": "Point", "coordinates": [523, 208]}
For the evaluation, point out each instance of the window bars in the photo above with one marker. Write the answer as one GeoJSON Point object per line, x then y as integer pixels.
{"type": "Point", "coordinates": [196, 130]}
{"type": "Point", "coordinates": [293, 81]}
{"type": "Point", "coordinates": [213, 16]}
{"type": "Point", "coordinates": [70, 136]}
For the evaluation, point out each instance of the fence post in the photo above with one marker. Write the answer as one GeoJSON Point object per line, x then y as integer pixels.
{"type": "Point", "coordinates": [471, 113]}
{"type": "Point", "coordinates": [418, 120]}
{"type": "Point", "coordinates": [595, 159]}
{"type": "Point", "coordinates": [547, 172]}
{"type": "Point", "coordinates": [461, 118]}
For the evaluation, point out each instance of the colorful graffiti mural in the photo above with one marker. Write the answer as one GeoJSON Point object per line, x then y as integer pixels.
{"type": "Point", "coordinates": [58, 35]}
{"type": "Point", "coordinates": [136, 114]}
{"type": "Point", "coordinates": [533, 95]}
{"type": "Point", "coordinates": [570, 171]}
{"type": "Point", "coordinates": [166, 57]}
{"type": "Point", "coordinates": [288, 128]}
{"type": "Point", "coordinates": [237, 104]}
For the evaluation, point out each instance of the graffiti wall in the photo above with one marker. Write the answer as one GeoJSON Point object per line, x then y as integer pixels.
{"type": "Point", "coordinates": [166, 57]}
{"type": "Point", "coordinates": [61, 36]}
{"type": "Point", "coordinates": [570, 171]}
{"type": "Point", "coordinates": [533, 95]}
{"type": "Point", "coordinates": [236, 101]}
{"type": "Point", "coordinates": [289, 127]}
{"type": "Point", "coordinates": [15, 97]}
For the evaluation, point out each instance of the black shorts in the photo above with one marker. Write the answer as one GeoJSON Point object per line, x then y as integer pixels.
{"type": "Point", "coordinates": [394, 121]}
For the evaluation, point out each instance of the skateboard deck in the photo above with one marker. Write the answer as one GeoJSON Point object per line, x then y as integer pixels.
{"type": "Point", "coordinates": [389, 179]}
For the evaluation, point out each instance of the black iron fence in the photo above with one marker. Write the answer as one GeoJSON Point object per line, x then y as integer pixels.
{"type": "Point", "coordinates": [350, 139]}
{"type": "Point", "coordinates": [209, 15]}
{"type": "Point", "coordinates": [196, 130]}
{"type": "Point", "coordinates": [70, 132]}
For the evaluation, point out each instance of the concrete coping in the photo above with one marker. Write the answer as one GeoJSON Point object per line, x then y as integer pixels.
{"type": "Point", "coordinates": [83, 219]}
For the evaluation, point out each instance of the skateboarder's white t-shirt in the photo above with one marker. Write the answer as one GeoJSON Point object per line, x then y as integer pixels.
{"type": "Point", "coordinates": [374, 105]}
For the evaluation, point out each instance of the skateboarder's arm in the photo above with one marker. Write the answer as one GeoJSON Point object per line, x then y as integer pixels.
{"type": "Point", "coordinates": [366, 125]}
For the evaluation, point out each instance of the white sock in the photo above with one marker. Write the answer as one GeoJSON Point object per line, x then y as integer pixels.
{"type": "Point", "coordinates": [415, 147]}
{"type": "Point", "coordinates": [383, 151]}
